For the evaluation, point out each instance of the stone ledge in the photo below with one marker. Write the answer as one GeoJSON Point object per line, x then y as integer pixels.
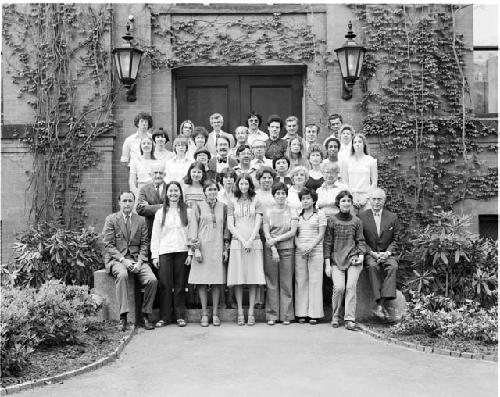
{"type": "Point", "coordinates": [427, 349]}
{"type": "Point", "coordinates": [69, 374]}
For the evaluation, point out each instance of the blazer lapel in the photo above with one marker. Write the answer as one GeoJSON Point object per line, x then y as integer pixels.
{"type": "Point", "coordinates": [135, 223]}
{"type": "Point", "coordinates": [372, 225]}
{"type": "Point", "coordinates": [383, 222]}
{"type": "Point", "coordinates": [123, 227]}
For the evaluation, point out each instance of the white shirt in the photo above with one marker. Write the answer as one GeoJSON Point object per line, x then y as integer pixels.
{"type": "Point", "coordinates": [345, 152]}
{"type": "Point", "coordinates": [359, 173]}
{"type": "Point", "coordinates": [259, 135]}
{"type": "Point", "coordinates": [256, 163]}
{"type": "Point", "coordinates": [176, 169]}
{"type": "Point", "coordinates": [172, 237]}
{"type": "Point", "coordinates": [131, 149]}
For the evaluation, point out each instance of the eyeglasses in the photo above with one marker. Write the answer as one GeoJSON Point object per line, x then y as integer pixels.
{"type": "Point", "coordinates": [253, 120]}
{"type": "Point", "coordinates": [259, 147]}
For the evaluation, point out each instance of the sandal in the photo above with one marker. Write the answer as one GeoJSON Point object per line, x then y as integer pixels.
{"type": "Point", "coordinates": [251, 319]}
{"type": "Point", "coordinates": [350, 325]}
{"type": "Point", "coordinates": [161, 323]}
{"type": "Point", "coordinates": [286, 322]}
{"type": "Point", "coordinates": [271, 322]}
{"type": "Point", "coordinates": [181, 322]}
{"type": "Point", "coordinates": [216, 320]}
{"type": "Point", "coordinates": [335, 323]}
{"type": "Point", "coordinates": [204, 321]}
{"type": "Point", "coordinates": [313, 321]}
{"type": "Point", "coordinates": [241, 319]}
{"type": "Point", "coordinates": [302, 320]}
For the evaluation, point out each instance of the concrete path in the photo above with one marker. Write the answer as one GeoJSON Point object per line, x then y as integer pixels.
{"type": "Point", "coordinates": [296, 360]}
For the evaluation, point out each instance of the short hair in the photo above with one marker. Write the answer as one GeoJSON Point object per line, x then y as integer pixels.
{"type": "Point", "coordinates": [341, 195]}
{"type": "Point", "coordinates": [347, 127]}
{"type": "Point", "coordinates": [254, 114]}
{"type": "Point", "coordinates": [222, 137]}
{"type": "Point", "coordinates": [226, 171]}
{"type": "Point", "coordinates": [258, 140]}
{"type": "Point", "coordinates": [275, 160]}
{"type": "Point", "coordinates": [143, 116]}
{"type": "Point", "coordinates": [201, 167]}
{"type": "Point", "coordinates": [374, 190]}
{"type": "Point", "coordinates": [335, 116]}
{"type": "Point", "coordinates": [202, 150]}
{"type": "Point", "coordinates": [152, 146]}
{"type": "Point", "coordinates": [184, 123]}
{"type": "Point", "coordinates": [208, 183]}
{"type": "Point", "coordinates": [332, 138]}
{"type": "Point", "coordinates": [242, 128]}
{"type": "Point", "coordinates": [274, 118]}
{"type": "Point", "coordinates": [180, 141]}
{"type": "Point", "coordinates": [297, 169]}
{"type": "Point", "coordinates": [365, 143]}
{"type": "Point", "coordinates": [251, 187]}
{"type": "Point", "coordinates": [316, 148]}
{"type": "Point", "coordinates": [160, 132]}
{"type": "Point", "coordinates": [264, 169]}
{"type": "Point", "coordinates": [123, 192]}
{"type": "Point", "coordinates": [311, 192]}
{"type": "Point", "coordinates": [199, 131]}
{"type": "Point", "coordinates": [279, 186]}
{"type": "Point", "coordinates": [241, 148]}
{"type": "Point", "coordinates": [216, 116]}
{"type": "Point", "coordinates": [311, 125]}
{"type": "Point", "coordinates": [292, 118]}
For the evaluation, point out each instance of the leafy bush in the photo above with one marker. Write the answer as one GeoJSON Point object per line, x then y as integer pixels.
{"type": "Point", "coordinates": [44, 252]}
{"type": "Point", "coordinates": [445, 258]}
{"type": "Point", "coordinates": [56, 314]}
{"type": "Point", "coordinates": [436, 316]}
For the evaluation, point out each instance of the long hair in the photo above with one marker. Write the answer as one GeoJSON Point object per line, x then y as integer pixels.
{"type": "Point", "coordinates": [197, 165]}
{"type": "Point", "coordinates": [300, 156]}
{"type": "Point", "coordinates": [181, 205]}
{"type": "Point", "coordinates": [365, 143]}
{"type": "Point", "coordinates": [251, 186]}
{"type": "Point", "coordinates": [152, 147]}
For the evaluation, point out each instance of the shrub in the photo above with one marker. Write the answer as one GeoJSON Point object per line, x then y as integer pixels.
{"type": "Point", "coordinates": [44, 252]}
{"type": "Point", "coordinates": [56, 314]}
{"type": "Point", "coordinates": [436, 316]}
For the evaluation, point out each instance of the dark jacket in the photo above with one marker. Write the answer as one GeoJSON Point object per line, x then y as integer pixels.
{"type": "Point", "coordinates": [389, 231]}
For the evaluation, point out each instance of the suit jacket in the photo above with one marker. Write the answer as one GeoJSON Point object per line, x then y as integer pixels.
{"type": "Point", "coordinates": [211, 141]}
{"type": "Point", "coordinates": [149, 202]}
{"type": "Point", "coordinates": [212, 163]}
{"type": "Point", "coordinates": [115, 241]}
{"type": "Point", "coordinates": [389, 231]}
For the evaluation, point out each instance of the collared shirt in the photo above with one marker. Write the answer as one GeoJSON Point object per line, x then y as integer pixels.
{"type": "Point", "coordinates": [275, 149]}
{"type": "Point", "coordinates": [377, 216]}
{"type": "Point", "coordinates": [176, 169]}
{"type": "Point", "coordinates": [132, 148]}
{"type": "Point", "coordinates": [345, 152]}
{"type": "Point", "coordinates": [159, 189]}
{"type": "Point", "coordinates": [259, 135]}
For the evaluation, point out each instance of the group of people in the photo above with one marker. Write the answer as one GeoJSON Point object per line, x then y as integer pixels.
{"type": "Point", "coordinates": [252, 210]}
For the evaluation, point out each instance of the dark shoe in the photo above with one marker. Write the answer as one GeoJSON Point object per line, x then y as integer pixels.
{"type": "Point", "coordinates": [350, 325]}
{"type": "Point", "coordinates": [123, 324]}
{"type": "Point", "coordinates": [302, 320]}
{"type": "Point", "coordinates": [181, 322]}
{"type": "Point", "coordinates": [259, 306]}
{"type": "Point", "coordinates": [335, 323]}
{"type": "Point", "coordinates": [148, 324]}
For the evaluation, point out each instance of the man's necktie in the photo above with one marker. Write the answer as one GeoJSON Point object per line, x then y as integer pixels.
{"type": "Point", "coordinates": [127, 226]}
{"type": "Point", "coordinates": [221, 160]}
{"type": "Point", "coordinates": [158, 190]}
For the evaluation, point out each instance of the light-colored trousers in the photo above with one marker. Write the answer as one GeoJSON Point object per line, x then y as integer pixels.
{"type": "Point", "coordinates": [309, 284]}
{"type": "Point", "coordinates": [341, 288]}
{"type": "Point", "coordinates": [279, 296]}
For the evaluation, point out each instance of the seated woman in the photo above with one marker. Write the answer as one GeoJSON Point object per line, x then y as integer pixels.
{"type": "Point", "coordinates": [140, 168]}
{"type": "Point", "coordinates": [245, 260]}
{"type": "Point", "coordinates": [176, 168]}
{"type": "Point", "coordinates": [329, 190]}
{"type": "Point", "coordinates": [241, 135]}
{"type": "Point", "coordinates": [193, 184]}
{"type": "Point", "coordinates": [210, 240]}
{"type": "Point", "coordinates": [199, 138]}
{"type": "Point", "coordinates": [309, 259]}
{"type": "Point", "coordinates": [343, 250]}
{"type": "Point", "coordinates": [299, 177]}
{"type": "Point", "coordinates": [160, 139]}
{"type": "Point", "coordinates": [169, 252]}
{"type": "Point", "coordinates": [359, 172]}
{"type": "Point", "coordinates": [315, 157]}
{"type": "Point", "coordinates": [296, 155]}
{"type": "Point", "coordinates": [281, 165]}
{"type": "Point", "coordinates": [280, 227]}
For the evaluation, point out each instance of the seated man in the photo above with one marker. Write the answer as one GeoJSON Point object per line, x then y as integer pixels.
{"type": "Point", "coordinates": [126, 245]}
{"type": "Point", "coordinates": [381, 231]}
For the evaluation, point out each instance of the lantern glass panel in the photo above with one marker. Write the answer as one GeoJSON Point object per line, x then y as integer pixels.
{"type": "Point", "coordinates": [341, 54]}
{"type": "Point", "coordinates": [124, 58]}
{"type": "Point", "coordinates": [352, 61]}
{"type": "Point", "coordinates": [136, 62]}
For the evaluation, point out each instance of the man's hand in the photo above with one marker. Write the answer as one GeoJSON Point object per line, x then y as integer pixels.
{"type": "Point", "coordinates": [128, 264]}
{"type": "Point", "coordinates": [187, 262]}
{"type": "Point", "coordinates": [156, 263]}
{"type": "Point", "coordinates": [276, 255]}
{"type": "Point", "coordinates": [197, 255]}
{"type": "Point", "coordinates": [136, 268]}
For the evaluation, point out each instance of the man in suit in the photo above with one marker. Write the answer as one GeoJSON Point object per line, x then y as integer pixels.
{"type": "Point", "coordinates": [216, 121]}
{"type": "Point", "coordinates": [126, 245]}
{"type": "Point", "coordinates": [151, 196]}
{"type": "Point", "coordinates": [381, 231]}
{"type": "Point", "coordinates": [222, 159]}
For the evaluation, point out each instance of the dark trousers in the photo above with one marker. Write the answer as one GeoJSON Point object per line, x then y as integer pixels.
{"type": "Point", "coordinates": [382, 277]}
{"type": "Point", "coordinates": [171, 275]}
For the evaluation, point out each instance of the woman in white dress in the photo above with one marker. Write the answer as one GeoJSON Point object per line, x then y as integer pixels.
{"type": "Point", "coordinates": [140, 168]}
{"type": "Point", "coordinates": [176, 168]}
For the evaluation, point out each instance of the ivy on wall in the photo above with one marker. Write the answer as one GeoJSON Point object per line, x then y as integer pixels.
{"type": "Point", "coordinates": [61, 63]}
{"type": "Point", "coordinates": [417, 105]}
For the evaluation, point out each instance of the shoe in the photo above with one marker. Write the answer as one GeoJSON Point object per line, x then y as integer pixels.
{"type": "Point", "coordinates": [251, 319]}
{"type": "Point", "coordinates": [181, 322]}
{"type": "Point", "coordinates": [123, 323]}
{"type": "Point", "coordinates": [148, 324]}
{"type": "Point", "coordinates": [379, 312]}
{"type": "Point", "coordinates": [286, 322]}
{"type": "Point", "coordinates": [350, 325]}
{"type": "Point", "coordinates": [161, 323]}
{"type": "Point", "coordinates": [335, 323]}
{"type": "Point", "coordinates": [216, 320]}
{"type": "Point", "coordinates": [241, 319]}
{"type": "Point", "coordinates": [204, 321]}
{"type": "Point", "coordinates": [313, 321]}
{"type": "Point", "coordinates": [259, 306]}
{"type": "Point", "coordinates": [271, 322]}
{"type": "Point", "coordinates": [302, 320]}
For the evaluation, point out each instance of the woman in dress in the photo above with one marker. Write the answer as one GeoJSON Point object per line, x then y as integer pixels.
{"type": "Point", "coordinates": [169, 252]}
{"type": "Point", "coordinates": [315, 157]}
{"type": "Point", "coordinates": [246, 260]}
{"type": "Point", "coordinates": [296, 155]}
{"type": "Point", "coordinates": [140, 168]}
{"type": "Point", "coordinates": [176, 168]}
{"type": "Point", "coordinates": [160, 139]}
{"type": "Point", "coordinates": [280, 227]}
{"type": "Point", "coordinates": [359, 172]}
{"type": "Point", "coordinates": [299, 176]}
{"type": "Point", "coordinates": [329, 190]}
{"type": "Point", "coordinates": [198, 140]}
{"type": "Point", "coordinates": [193, 184]}
{"type": "Point", "coordinates": [210, 240]}
{"type": "Point", "coordinates": [309, 259]}
{"type": "Point", "coordinates": [343, 250]}
{"type": "Point", "coordinates": [226, 178]}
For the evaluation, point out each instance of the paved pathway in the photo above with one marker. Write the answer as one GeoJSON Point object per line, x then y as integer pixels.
{"type": "Point", "coordinates": [295, 360]}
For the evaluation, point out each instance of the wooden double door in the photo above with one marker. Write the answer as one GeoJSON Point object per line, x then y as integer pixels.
{"type": "Point", "coordinates": [235, 91]}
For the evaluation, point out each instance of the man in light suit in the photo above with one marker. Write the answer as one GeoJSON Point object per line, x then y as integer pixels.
{"type": "Point", "coordinates": [126, 245]}
{"type": "Point", "coordinates": [381, 231]}
{"type": "Point", "coordinates": [151, 196]}
{"type": "Point", "coordinates": [216, 121]}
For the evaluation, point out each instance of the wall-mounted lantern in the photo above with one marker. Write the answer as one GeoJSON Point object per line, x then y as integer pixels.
{"type": "Point", "coordinates": [351, 57]}
{"type": "Point", "coordinates": [128, 61]}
